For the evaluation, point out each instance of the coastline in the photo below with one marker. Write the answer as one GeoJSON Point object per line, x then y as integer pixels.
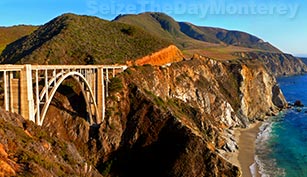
{"type": "Point", "coordinates": [246, 139]}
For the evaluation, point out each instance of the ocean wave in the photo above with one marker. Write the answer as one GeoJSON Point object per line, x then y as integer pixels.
{"type": "Point", "coordinates": [267, 165]}
{"type": "Point", "coordinates": [253, 169]}
{"type": "Point", "coordinates": [268, 168]}
{"type": "Point", "coordinates": [264, 133]}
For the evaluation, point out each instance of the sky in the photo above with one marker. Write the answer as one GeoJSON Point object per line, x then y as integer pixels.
{"type": "Point", "coordinates": [283, 23]}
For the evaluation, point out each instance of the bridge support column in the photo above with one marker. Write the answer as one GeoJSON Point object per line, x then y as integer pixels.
{"type": "Point", "coordinates": [26, 93]}
{"type": "Point", "coordinates": [6, 94]}
{"type": "Point", "coordinates": [100, 96]}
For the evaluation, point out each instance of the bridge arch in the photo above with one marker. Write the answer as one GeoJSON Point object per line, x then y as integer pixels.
{"type": "Point", "coordinates": [74, 75]}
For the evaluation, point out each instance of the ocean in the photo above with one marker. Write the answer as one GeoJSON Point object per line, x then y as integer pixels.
{"type": "Point", "coordinates": [281, 145]}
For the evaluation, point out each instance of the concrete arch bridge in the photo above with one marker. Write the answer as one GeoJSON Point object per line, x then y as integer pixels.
{"type": "Point", "coordinates": [29, 89]}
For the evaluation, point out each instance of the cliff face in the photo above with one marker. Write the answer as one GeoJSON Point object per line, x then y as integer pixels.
{"type": "Point", "coordinates": [28, 150]}
{"type": "Point", "coordinates": [208, 85]}
{"type": "Point", "coordinates": [173, 121]}
{"type": "Point", "coordinates": [167, 121]}
{"type": "Point", "coordinates": [279, 64]}
{"type": "Point", "coordinates": [204, 98]}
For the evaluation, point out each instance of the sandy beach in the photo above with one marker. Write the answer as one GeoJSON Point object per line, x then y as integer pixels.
{"type": "Point", "coordinates": [246, 140]}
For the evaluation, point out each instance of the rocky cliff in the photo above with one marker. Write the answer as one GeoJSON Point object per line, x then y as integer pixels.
{"type": "Point", "coordinates": [173, 120]}
{"type": "Point", "coordinates": [28, 150]}
{"type": "Point", "coordinates": [279, 64]}
{"type": "Point", "coordinates": [177, 121]}
{"type": "Point", "coordinates": [304, 59]}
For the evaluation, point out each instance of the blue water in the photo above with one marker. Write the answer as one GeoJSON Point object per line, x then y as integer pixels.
{"type": "Point", "coordinates": [281, 148]}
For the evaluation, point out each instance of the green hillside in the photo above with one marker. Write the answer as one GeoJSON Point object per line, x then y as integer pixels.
{"type": "Point", "coordinates": [73, 39]}
{"type": "Point", "coordinates": [10, 34]}
{"type": "Point", "coordinates": [189, 36]}
{"type": "Point", "coordinates": [164, 27]}
{"type": "Point", "coordinates": [235, 38]}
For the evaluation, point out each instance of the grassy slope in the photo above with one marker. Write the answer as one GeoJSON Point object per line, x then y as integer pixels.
{"type": "Point", "coordinates": [73, 39]}
{"type": "Point", "coordinates": [218, 35]}
{"type": "Point", "coordinates": [76, 39]}
{"type": "Point", "coordinates": [164, 27]}
{"type": "Point", "coordinates": [212, 42]}
{"type": "Point", "coordinates": [220, 52]}
{"type": "Point", "coordinates": [10, 34]}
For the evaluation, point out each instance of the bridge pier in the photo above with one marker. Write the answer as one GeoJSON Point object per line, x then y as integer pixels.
{"type": "Point", "coordinates": [6, 94]}
{"type": "Point", "coordinates": [100, 95]}
{"type": "Point", "coordinates": [26, 93]}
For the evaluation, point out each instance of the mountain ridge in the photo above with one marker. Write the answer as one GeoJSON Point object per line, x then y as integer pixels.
{"type": "Point", "coordinates": [185, 31]}
{"type": "Point", "coordinates": [81, 39]}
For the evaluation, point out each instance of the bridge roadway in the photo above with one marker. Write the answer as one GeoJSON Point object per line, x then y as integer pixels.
{"type": "Point", "coordinates": [28, 89]}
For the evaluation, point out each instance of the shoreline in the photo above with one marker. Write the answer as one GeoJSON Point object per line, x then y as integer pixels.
{"type": "Point", "coordinates": [246, 139]}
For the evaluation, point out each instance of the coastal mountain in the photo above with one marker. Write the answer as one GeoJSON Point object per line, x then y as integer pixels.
{"type": "Point", "coordinates": [141, 39]}
{"type": "Point", "coordinates": [218, 35]}
{"type": "Point", "coordinates": [11, 34]}
{"type": "Point", "coordinates": [161, 120]}
{"type": "Point", "coordinates": [73, 39]}
{"type": "Point", "coordinates": [162, 26]}
{"type": "Point", "coordinates": [185, 35]}
{"type": "Point", "coordinates": [217, 43]}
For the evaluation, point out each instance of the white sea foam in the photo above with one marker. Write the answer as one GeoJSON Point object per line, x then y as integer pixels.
{"type": "Point", "coordinates": [253, 169]}
{"type": "Point", "coordinates": [267, 165]}
{"type": "Point", "coordinates": [264, 133]}
{"type": "Point", "coordinates": [261, 145]}
{"type": "Point", "coordinates": [267, 168]}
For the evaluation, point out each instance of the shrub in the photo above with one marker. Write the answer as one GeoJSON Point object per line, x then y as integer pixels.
{"type": "Point", "coordinates": [115, 85]}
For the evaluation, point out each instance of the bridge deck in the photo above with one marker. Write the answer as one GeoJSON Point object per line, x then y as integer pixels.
{"type": "Point", "coordinates": [9, 67]}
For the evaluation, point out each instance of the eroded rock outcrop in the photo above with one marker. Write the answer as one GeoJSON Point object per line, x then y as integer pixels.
{"type": "Point", "coordinates": [279, 64]}
{"type": "Point", "coordinates": [167, 55]}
